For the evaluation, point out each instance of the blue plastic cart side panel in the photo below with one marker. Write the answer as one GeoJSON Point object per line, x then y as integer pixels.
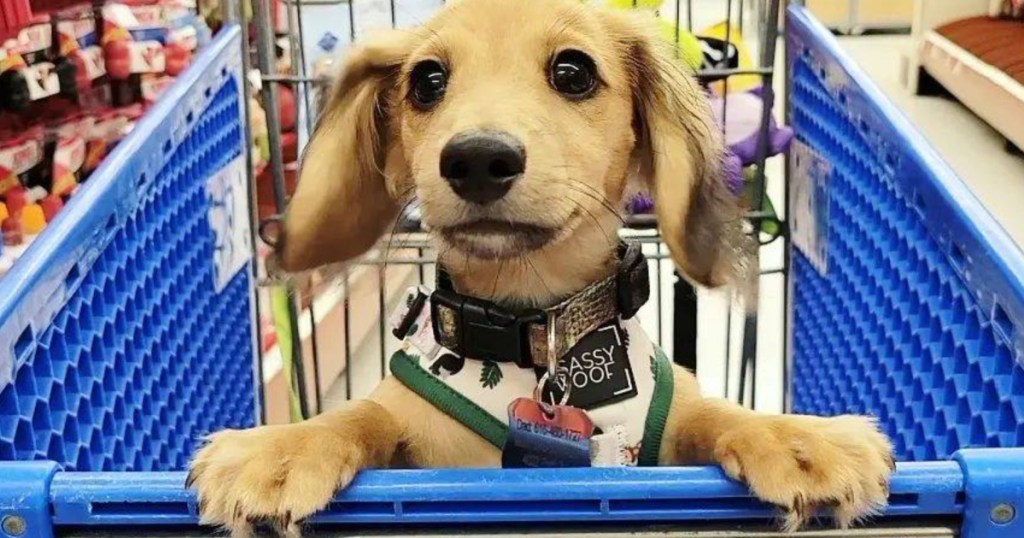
{"type": "Point", "coordinates": [25, 499]}
{"type": "Point", "coordinates": [492, 496]}
{"type": "Point", "coordinates": [917, 314]}
{"type": "Point", "coordinates": [994, 487]}
{"type": "Point", "coordinates": [117, 351]}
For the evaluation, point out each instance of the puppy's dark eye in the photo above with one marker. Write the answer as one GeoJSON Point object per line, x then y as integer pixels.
{"type": "Point", "coordinates": [428, 81]}
{"type": "Point", "coordinates": [573, 74]}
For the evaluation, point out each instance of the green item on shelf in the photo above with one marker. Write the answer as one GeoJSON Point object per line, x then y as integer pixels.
{"type": "Point", "coordinates": [687, 46]}
{"type": "Point", "coordinates": [770, 225]}
{"type": "Point", "coordinates": [279, 309]}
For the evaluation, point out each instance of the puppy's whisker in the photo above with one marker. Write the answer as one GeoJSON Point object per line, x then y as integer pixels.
{"type": "Point", "coordinates": [539, 276]}
{"type": "Point", "coordinates": [593, 218]}
{"type": "Point", "coordinates": [601, 200]}
{"type": "Point", "coordinates": [605, 203]}
{"type": "Point", "coordinates": [410, 203]}
{"type": "Point", "coordinates": [394, 228]}
{"type": "Point", "coordinates": [402, 242]}
{"type": "Point", "coordinates": [405, 193]}
{"type": "Point", "coordinates": [588, 187]}
{"type": "Point", "coordinates": [590, 191]}
{"type": "Point", "coordinates": [497, 276]}
{"type": "Point", "coordinates": [441, 254]}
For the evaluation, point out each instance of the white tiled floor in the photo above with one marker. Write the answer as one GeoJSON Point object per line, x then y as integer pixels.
{"type": "Point", "coordinates": [972, 148]}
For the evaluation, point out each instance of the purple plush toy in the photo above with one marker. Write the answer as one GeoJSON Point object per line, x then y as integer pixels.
{"type": "Point", "coordinates": [742, 119]}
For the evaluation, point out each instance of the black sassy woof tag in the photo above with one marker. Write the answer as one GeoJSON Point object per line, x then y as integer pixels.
{"type": "Point", "coordinates": [598, 370]}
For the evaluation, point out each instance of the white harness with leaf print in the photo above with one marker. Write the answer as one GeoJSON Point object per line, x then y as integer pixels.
{"type": "Point", "coordinates": [478, 393]}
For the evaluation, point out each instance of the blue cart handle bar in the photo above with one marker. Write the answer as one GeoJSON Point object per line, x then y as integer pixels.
{"type": "Point", "coordinates": [978, 486]}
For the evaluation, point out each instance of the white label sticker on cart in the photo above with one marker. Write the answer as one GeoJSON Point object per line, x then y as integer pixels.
{"type": "Point", "coordinates": [229, 221]}
{"type": "Point", "coordinates": [809, 200]}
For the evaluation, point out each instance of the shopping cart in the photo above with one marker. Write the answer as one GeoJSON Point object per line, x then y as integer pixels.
{"type": "Point", "coordinates": [903, 299]}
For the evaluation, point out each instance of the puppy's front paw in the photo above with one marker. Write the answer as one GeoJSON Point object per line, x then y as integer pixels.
{"type": "Point", "coordinates": [805, 464]}
{"type": "Point", "coordinates": [273, 474]}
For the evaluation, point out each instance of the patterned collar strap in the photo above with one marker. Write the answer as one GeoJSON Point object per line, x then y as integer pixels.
{"type": "Point", "coordinates": [480, 329]}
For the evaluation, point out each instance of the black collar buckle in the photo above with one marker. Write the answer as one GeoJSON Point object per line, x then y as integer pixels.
{"type": "Point", "coordinates": [632, 280]}
{"type": "Point", "coordinates": [480, 329]}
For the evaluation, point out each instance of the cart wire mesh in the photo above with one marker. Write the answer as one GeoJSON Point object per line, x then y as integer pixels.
{"type": "Point", "coordinates": [299, 44]}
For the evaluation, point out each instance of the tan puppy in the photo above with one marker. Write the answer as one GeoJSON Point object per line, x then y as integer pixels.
{"type": "Point", "coordinates": [569, 104]}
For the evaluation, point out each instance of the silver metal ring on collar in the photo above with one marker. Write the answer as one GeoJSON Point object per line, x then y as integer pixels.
{"type": "Point", "coordinates": [538, 393]}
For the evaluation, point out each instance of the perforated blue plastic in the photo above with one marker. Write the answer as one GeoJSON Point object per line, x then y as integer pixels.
{"type": "Point", "coordinates": [116, 350]}
{"type": "Point", "coordinates": [909, 305]}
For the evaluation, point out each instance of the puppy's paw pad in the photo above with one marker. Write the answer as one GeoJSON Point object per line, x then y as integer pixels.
{"type": "Point", "coordinates": [809, 464]}
{"type": "Point", "coordinates": [277, 475]}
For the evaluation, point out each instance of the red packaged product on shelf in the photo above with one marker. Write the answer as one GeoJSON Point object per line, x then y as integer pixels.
{"type": "Point", "coordinates": [133, 39]}
{"type": "Point", "coordinates": [15, 199]}
{"type": "Point", "coordinates": [69, 153]}
{"type": "Point", "coordinates": [35, 41]}
{"type": "Point", "coordinates": [153, 86]}
{"type": "Point", "coordinates": [81, 55]}
{"type": "Point", "coordinates": [27, 71]}
{"type": "Point", "coordinates": [21, 160]}
{"type": "Point", "coordinates": [12, 233]}
{"type": "Point", "coordinates": [82, 126]}
{"type": "Point", "coordinates": [106, 131]}
{"type": "Point", "coordinates": [83, 141]}
{"type": "Point", "coordinates": [51, 206]}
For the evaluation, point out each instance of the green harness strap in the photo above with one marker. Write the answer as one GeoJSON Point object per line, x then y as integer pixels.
{"type": "Point", "coordinates": [407, 369]}
{"type": "Point", "coordinates": [657, 413]}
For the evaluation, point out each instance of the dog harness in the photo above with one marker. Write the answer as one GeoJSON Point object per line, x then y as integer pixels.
{"type": "Point", "coordinates": [472, 358]}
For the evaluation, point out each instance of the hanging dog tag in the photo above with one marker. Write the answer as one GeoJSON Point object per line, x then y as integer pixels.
{"type": "Point", "coordinates": [544, 435]}
{"type": "Point", "coordinates": [596, 371]}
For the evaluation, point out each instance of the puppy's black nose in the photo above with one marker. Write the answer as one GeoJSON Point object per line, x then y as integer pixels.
{"type": "Point", "coordinates": [482, 165]}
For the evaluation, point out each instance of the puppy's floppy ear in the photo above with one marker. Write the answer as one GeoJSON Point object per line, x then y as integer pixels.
{"type": "Point", "coordinates": [680, 153]}
{"type": "Point", "coordinates": [342, 204]}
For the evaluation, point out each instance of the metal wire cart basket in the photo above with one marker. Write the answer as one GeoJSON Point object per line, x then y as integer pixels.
{"type": "Point", "coordinates": [143, 319]}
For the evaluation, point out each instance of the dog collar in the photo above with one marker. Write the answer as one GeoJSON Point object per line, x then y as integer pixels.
{"type": "Point", "coordinates": [479, 329]}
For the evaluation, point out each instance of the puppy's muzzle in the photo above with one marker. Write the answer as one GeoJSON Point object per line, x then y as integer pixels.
{"type": "Point", "coordinates": [481, 166]}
